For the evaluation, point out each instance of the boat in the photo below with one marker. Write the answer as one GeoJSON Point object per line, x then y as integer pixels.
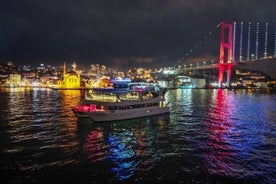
{"type": "Point", "coordinates": [103, 105]}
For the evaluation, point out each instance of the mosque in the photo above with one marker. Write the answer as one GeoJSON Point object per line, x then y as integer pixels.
{"type": "Point", "coordinates": [71, 79]}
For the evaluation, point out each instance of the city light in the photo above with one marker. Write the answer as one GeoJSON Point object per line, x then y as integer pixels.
{"type": "Point", "coordinates": [98, 76]}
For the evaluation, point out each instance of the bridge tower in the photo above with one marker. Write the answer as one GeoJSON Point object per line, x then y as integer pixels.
{"type": "Point", "coordinates": [225, 55]}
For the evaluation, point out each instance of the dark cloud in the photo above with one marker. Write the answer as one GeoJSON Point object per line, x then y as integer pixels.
{"type": "Point", "coordinates": [97, 31]}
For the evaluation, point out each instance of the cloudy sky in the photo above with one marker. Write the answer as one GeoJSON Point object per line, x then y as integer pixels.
{"type": "Point", "coordinates": [119, 33]}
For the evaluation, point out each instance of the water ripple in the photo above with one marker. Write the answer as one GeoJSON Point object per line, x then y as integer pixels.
{"type": "Point", "coordinates": [210, 136]}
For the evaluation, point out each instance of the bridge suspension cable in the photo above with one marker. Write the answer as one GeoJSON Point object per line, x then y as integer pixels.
{"type": "Point", "coordinates": [251, 41]}
{"type": "Point", "coordinates": [275, 42]}
{"type": "Point", "coordinates": [266, 35]}
{"type": "Point", "coordinates": [257, 41]}
{"type": "Point", "coordinates": [241, 39]}
{"type": "Point", "coordinates": [188, 53]}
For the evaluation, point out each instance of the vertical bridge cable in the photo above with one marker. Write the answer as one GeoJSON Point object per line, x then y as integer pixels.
{"type": "Point", "coordinates": [266, 35]}
{"type": "Point", "coordinates": [275, 42]}
{"type": "Point", "coordinates": [234, 42]}
{"type": "Point", "coordinates": [257, 41]}
{"type": "Point", "coordinates": [248, 41]}
{"type": "Point", "coordinates": [241, 34]}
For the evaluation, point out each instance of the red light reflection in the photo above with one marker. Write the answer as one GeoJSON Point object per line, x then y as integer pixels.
{"type": "Point", "coordinates": [219, 150]}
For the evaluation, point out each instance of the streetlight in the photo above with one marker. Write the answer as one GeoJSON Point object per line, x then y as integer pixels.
{"type": "Point", "coordinates": [252, 56]}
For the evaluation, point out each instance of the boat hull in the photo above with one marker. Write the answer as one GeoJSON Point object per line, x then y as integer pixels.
{"type": "Point", "coordinates": [117, 115]}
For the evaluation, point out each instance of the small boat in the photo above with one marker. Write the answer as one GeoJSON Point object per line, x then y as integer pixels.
{"type": "Point", "coordinates": [103, 105]}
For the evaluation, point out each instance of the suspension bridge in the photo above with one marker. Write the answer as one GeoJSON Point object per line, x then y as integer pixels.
{"type": "Point", "coordinates": [238, 47]}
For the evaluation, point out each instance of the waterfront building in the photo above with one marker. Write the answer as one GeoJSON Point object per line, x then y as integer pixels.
{"type": "Point", "coordinates": [71, 79]}
{"type": "Point", "coordinates": [190, 82]}
{"type": "Point", "coordinates": [15, 80]}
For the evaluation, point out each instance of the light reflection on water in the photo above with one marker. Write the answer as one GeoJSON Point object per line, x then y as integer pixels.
{"type": "Point", "coordinates": [210, 136]}
{"type": "Point", "coordinates": [219, 126]}
{"type": "Point", "coordinates": [236, 128]}
{"type": "Point", "coordinates": [123, 146]}
{"type": "Point", "coordinates": [38, 125]}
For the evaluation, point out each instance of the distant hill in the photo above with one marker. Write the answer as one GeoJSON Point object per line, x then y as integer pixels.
{"type": "Point", "coordinates": [266, 66]}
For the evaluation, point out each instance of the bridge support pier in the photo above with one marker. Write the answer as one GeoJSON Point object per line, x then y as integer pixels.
{"type": "Point", "coordinates": [225, 54]}
{"type": "Point", "coordinates": [227, 67]}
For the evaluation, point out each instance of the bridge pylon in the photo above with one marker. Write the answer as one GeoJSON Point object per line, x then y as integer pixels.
{"type": "Point", "coordinates": [225, 53]}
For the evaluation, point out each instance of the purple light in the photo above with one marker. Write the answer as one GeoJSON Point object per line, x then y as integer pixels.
{"type": "Point", "coordinates": [234, 42]}
{"type": "Point", "coordinates": [266, 35]}
{"type": "Point", "coordinates": [257, 41]}
{"type": "Point", "coordinates": [241, 34]}
{"type": "Point", "coordinates": [248, 41]}
{"type": "Point", "coordinates": [275, 43]}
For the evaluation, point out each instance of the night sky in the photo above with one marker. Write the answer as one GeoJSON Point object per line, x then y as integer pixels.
{"type": "Point", "coordinates": [119, 33]}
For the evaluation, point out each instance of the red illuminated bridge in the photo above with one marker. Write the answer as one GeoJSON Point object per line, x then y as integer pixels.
{"type": "Point", "coordinates": [227, 51]}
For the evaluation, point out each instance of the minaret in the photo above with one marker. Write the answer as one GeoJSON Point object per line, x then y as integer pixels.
{"type": "Point", "coordinates": [74, 66]}
{"type": "Point", "coordinates": [64, 69]}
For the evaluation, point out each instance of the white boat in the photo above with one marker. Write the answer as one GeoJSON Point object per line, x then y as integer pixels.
{"type": "Point", "coordinates": [103, 105]}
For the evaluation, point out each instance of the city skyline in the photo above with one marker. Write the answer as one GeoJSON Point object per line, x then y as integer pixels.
{"type": "Point", "coordinates": [119, 34]}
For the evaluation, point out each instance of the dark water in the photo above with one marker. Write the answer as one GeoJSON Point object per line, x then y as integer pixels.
{"type": "Point", "coordinates": [210, 136]}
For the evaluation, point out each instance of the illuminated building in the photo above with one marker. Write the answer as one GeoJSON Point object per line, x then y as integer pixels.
{"type": "Point", "coordinates": [15, 79]}
{"type": "Point", "coordinates": [71, 79]}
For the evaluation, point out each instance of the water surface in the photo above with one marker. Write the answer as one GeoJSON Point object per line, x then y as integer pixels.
{"type": "Point", "coordinates": [210, 136]}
